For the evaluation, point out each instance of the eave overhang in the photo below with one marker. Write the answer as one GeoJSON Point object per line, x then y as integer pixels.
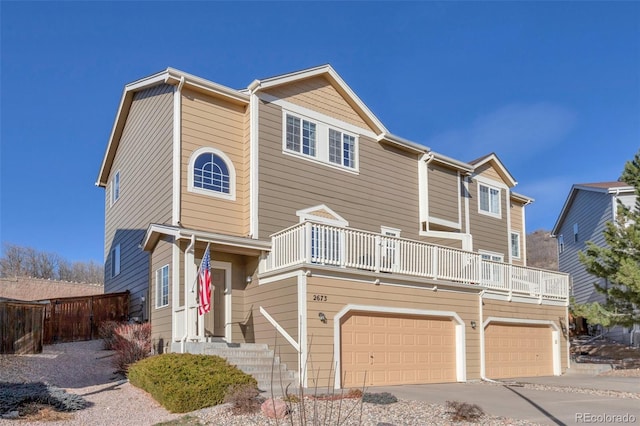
{"type": "Point", "coordinates": [156, 231]}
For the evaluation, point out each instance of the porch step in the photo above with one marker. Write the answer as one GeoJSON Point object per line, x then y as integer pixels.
{"type": "Point", "coordinates": [588, 368]}
{"type": "Point", "coordinates": [252, 358]}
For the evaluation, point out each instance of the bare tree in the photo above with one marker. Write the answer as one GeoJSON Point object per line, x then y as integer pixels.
{"type": "Point", "coordinates": [27, 261]}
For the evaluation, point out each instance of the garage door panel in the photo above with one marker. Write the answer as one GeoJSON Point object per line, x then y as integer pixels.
{"type": "Point", "coordinates": [415, 349]}
{"type": "Point", "coordinates": [514, 350]}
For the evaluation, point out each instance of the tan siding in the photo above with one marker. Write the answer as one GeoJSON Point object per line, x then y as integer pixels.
{"type": "Point", "coordinates": [144, 160]}
{"type": "Point", "coordinates": [517, 210]}
{"type": "Point", "coordinates": [383, 193]}
{"type": "Point", "coordinates": [211, 122]}
{"type": "Point", "coordinates": [318, 94]}
{"type": "Point", "coordinates": [280, 300]}
{"type": "Point", "coordinates": [529, 311]}
{"type": "Point", "coordinates": [340, 293]}
{"type": "Point", "coordinates": [489, 233]}
{"type": "Point", "coordinates": [487, 170]}
{"type": "Point", "coordinates": [444, 193]}
{"type": "Point", "coordinates": [161, 317]}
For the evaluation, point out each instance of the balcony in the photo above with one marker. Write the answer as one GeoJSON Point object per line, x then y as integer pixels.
{"type": "Point", "coordinates": [320, 244]}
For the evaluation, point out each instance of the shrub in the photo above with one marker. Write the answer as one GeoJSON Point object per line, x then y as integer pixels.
{"type": "Point", "coordinates": [244, 399]}
{"type": "Point", "coordinates": [463, 411]}
{"type": "Point", "coordinates": [186, 382]}
{"type": "Point", "coordinates": [132, 343]}
{"type": "Point", "coordinates": [382, 398]}
{"type": "Point", "coordinates": [107, 332]}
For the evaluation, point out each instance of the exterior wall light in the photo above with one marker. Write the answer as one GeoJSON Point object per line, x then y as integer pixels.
{"type": "Point", "coordinates": [473, 325]}
{"type": "Point", "coordinates": [323, 317]}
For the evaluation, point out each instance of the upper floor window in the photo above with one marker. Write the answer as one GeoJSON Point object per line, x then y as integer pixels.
{"type": "Point", "coordinates": [575, 232]}
{"type": "Point", "coordinates": [115, 187]}
{"type": "Point", "coordinates": [301, 136]}
{"type": "Point", "coordinates": [342, 149]}
{"type": "Point", "coordinates": [211, 172]}
{"type": "Point", "coordinates": [489, 200]}
{"type": "Point", "coordinates": [560, 243]}
{"type": "Point", "coordinates": [115, 260]}
{"type": "Point", "coordinates": [319, 141]}
{"type": "Point", "coordinates": [515, 245]}
{"type": "Point", "coordinates": [162, 286]}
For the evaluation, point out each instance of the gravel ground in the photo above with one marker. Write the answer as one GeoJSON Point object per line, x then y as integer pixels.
{"type": "Point", "coordinates": [85, 369]}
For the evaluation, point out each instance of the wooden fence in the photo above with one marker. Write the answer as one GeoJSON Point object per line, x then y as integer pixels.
{"type": "Point", "coordinates": [74, 319]}
{"type": "Point", "coordinates": [21, 327]}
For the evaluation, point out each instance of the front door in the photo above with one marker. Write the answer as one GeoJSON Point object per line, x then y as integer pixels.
{"type": "Point", "coordinates": [217, 322]}
{"type": "Point", "coordinates": [218, 282]}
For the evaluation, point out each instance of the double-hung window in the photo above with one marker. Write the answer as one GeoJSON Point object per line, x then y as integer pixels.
{"type": "Point", "coordinates": [515, 245]}
{"type": "Point", "coordinates": [489, 200]}
{"type": "Point", "coordinates": [342, 149]}
{"type": "Point", "coordinates": [115, 187]}
{"type": "Point", "coordinates": [491, 267]}
{"type": "Point", "coordinates": [331, 143]}
{"type": "Point", "coordinates": [301, 136]}
{"type": "Point", "coordinates": [162, 286]}
{"type": "Point", "coordinates": [115, 260]}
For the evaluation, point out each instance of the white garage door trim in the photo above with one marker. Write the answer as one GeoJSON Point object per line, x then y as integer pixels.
{"type": "Point", "coordinates": [461, 370]}
{"type": "Point", "coordinates": [555, 340]}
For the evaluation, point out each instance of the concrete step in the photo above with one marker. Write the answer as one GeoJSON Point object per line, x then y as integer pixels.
{"type": "Point", "coordinates": [227, 353]}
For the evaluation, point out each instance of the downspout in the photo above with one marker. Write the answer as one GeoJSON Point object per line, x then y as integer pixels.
{"type": "Point", "coordinates": [189, 248]}
{"type": "Point", "coordinates": [177, 152]}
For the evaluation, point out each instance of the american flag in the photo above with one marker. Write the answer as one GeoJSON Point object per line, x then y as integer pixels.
{"type": "Point", "coordinates": [204, 282]}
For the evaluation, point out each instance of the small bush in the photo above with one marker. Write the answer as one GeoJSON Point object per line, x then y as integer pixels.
{"type": "Point", "coordinates": [354, 393]}
{"type": "Point", "coordinates": [245, 399]}
{"type": "Point", "coordinates": [185, 382]}
{"type": "Point", "coordinates": [107, 332]}
{"type": "Point", "coordinates": [132, 343]}
{"type": "Point", "coordinates": [463, 411]}
{"type": "Point", "coordinates": [382, 398]}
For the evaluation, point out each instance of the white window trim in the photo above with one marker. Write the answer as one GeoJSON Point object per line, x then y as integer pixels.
{"type": "Point", "coordinates": [158, 294]}
{"type": "Point", "coordinates": [231, 196]}
{"type": "Point", "coordinates": [482, 182]}
{"type": "Point", "coordinates": [519, 256]}
{"type": "Point", "coordinates": [115, 261]}
{"type": "Point", "coordinates": [307, 214]}
{"type": "Point", "coordinates": [322, 141]}
{"type": "Point", "coordinates": [560, 243]}
{"type": "Point", "coordinates": [113, 198]}
{"type": "Point", "coordinates": [492, 254]}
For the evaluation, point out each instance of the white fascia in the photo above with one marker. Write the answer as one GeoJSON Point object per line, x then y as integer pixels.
{"type": "Point", "coordinates": [254, 139]}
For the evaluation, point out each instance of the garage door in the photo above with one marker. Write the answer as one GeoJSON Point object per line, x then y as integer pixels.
{"type": "Point", "coordinates": [379, 349]}
{"type": "Point", "coordinates": [518, 351]}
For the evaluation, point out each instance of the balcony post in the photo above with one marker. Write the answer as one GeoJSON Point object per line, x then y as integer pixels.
{"type": "Point", "coordinates": [377, 259]}
{"type": "Point", "coordinates": [307, 242]}
{"type": "Point", "coordinates": [510, 281]}
{"type": "Point", "coordinates": [434, 260]}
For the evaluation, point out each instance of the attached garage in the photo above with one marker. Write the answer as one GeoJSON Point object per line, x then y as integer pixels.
{"type": "Point", "coordinates": [518, 350]}
{"type": "Point", "coordinates": [380, 349]}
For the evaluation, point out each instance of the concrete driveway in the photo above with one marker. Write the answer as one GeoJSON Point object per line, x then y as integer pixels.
{"type": "Point", "coordinates": [550, 406]}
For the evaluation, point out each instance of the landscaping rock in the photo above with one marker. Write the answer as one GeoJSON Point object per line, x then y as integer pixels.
{"type": "Point", "coordinates": [274, 408]}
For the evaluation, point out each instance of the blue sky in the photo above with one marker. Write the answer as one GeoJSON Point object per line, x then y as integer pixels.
{"type": "Point", "coordinates": [552, 87]}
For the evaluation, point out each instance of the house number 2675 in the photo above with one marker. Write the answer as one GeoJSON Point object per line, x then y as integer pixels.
{"type": "Point", "coordinates": [319, 298]}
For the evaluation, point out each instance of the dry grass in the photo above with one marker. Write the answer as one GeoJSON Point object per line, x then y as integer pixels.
{"type": "Point", "coordinates": [35, 412]}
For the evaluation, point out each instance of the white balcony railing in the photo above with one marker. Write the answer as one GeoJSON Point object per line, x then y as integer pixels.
{"type": "Point", "coordinates": [316, 243]}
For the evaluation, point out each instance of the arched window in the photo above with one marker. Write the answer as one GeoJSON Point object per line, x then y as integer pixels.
{"type": "Point", "coordinates": [212, 173]}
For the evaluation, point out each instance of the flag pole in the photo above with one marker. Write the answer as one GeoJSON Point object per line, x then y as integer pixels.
{"type": "Point", "coordinates": [195, 281]}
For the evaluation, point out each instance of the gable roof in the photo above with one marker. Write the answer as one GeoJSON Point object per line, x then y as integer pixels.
{"type": "Point", "coordinates": [498, 165]}
{"type": "Point", "coordinates": [611, 188]}
{"type": "Point", "coordinates": [170, 76]}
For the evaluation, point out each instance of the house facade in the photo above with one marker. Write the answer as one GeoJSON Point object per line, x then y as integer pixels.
{"type": "Point", "coordinates": [583, 218]}
{"type": "Point", "coordinates": [360, 256]}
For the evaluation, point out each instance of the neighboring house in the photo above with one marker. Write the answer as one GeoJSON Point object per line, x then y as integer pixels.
{"type": "Point", "coordinates": [583, 218]}
{"type": "Point", "coordinates": [357, 252]}
{"type": "Point", "coordinates": [29, 289]}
